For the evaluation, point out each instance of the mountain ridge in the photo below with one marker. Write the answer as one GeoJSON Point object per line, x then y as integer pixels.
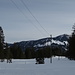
{"type": "Point", "coordinates": [58, 41]}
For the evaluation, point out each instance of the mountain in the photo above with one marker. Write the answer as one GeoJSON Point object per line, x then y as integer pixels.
{"type": "Point", "coordinates": [60, 41]}
{"type": "Point", "coordinates": [62, 38]}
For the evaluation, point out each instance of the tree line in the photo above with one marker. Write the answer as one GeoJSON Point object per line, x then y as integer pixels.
{"type": "Point", "coordinates": [15, 52]}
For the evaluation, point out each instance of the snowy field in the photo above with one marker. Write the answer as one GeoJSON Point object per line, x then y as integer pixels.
{"type": "Point", "coordinates": [28, 67]}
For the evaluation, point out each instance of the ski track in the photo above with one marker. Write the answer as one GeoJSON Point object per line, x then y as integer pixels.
{"type": "Point", "coordinates": [28, 67]}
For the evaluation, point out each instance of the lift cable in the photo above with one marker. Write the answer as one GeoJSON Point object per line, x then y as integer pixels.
{"type": "Point", "coordinates": [34, 16]}
{"type": "Point", "coordinates": [26, 17]}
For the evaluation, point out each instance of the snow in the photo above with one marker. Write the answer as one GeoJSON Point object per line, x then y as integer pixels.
{"type": "Point", "coordinates": [28, 67]}
{"type": "Point", "coordinates": [56, 42]}
{"type": "Point", "coordinates": [39, 45]}
{"type": "Point", "coordinates": [53, 41]}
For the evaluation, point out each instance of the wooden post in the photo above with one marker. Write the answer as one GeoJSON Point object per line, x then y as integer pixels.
{"type": "Point", "coordinates": [51, 49]}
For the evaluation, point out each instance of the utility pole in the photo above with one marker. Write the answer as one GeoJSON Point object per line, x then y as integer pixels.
{"type": "Point", "coordinates": [51, 49]}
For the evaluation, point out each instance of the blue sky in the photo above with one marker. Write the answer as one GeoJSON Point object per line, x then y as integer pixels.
{"type": "Point", "coordinates": [55, 16]}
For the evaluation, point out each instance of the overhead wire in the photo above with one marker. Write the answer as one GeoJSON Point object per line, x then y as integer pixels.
{"type": "Point", "coordinates": [34, 16]}
{"type": "Point", "coordinates": [26, 16]}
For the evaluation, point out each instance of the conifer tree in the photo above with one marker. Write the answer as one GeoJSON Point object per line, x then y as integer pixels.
{"type": "Point", "coordinates": [16, 51]}
{"type": "Point", "coordinates": [71, 48]}
{"type": "Point", "coordinates": [1, 44]}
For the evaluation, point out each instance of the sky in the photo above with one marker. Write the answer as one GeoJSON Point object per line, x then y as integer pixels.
{"type": "Point", "coordinates": [24, 20]}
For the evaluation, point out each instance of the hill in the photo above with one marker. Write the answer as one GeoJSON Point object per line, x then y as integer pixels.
{"type": "Point", "coordinates": [58, 41]}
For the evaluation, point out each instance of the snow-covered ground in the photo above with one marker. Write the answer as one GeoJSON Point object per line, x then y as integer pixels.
{"type": "Point", "coordinates": [28, 67]}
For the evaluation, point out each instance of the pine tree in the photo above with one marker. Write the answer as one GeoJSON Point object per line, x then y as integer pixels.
{"type": "Point", "coordinates": [1, 44]}
{"type": "Point", "coordinates": [71, 48]}
{"type": "Point", "coordinates": [16, 51]}
{"type": "Point", "coordinates": [8, 54]}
